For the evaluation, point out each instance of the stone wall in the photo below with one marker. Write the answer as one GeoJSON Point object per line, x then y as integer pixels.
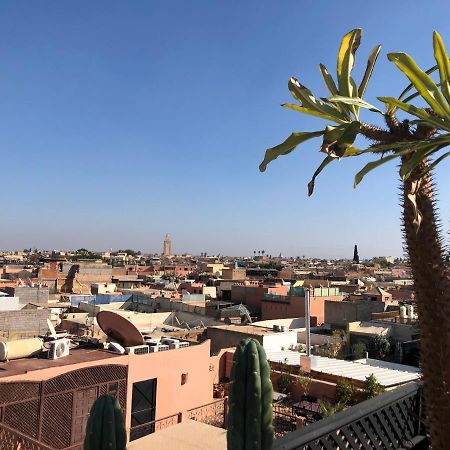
{"type": "Point", "coordinates": [341, 313]}
{"type": "Point", "coordinates": [24, 323]}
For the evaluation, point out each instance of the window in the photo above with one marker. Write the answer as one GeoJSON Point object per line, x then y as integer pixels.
{"type": "Point", "coordinates": [143, 408]}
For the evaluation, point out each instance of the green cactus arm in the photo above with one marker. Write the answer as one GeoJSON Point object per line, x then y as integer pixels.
{"type": "Point", "coordinates": [121, 434]}
{"type": "Point", "coordinates": [253, 398]}
{"type": "Point", "coordinates": [236, 417]}
{"type": "Point", "coordinates": [266, 402]}
{"type": "Point", "coordinates": [108, 426]}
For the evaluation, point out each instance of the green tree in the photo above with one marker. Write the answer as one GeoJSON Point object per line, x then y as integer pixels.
{"type": "Point", "coordinates": [345, 392]}
{"type": "Point", "coordinates": [359, 350]}
{"type": "Point", "coordinates": [417, 143]}
{"type": "Point", "coordinates": [379, 347]}
{"type": "Point", "coordinates": [371, 387]}
{"type": "Point", "coordinates": [283, 382]}
{"type": "Point", "coordinates": [328, 409]}
{"type": "Point", "coordinates": [304, 382]}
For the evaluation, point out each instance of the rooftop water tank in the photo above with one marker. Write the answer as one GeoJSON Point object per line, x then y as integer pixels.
{"type": "Point", "coordinates": [403, 312]}
{"type": "Point", "coordinates": [22, 348]}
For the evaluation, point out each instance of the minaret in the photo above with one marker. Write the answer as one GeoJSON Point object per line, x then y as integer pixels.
{"type": "Point", "coordinates": [167, 245]}
{"type": "Point", "coordinates": [355, 255]}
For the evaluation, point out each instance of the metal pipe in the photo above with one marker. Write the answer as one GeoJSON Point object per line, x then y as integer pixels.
{"type": "Point", "coordinates": [308, 322]}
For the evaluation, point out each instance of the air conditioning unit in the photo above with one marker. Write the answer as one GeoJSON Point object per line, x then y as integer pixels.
{"type": "Point", "coordinates": [172, 343]}
{"type": "Point", "coordinates": [137, 350]}
{"type": "Point", "coordinates": [169, 341]}
{"type": "Point", "coordinates": [184, 344]}
{"type": "Point", "coordinates": [276, 328]}
{"type": "Point", "coordinates": [59, 348]}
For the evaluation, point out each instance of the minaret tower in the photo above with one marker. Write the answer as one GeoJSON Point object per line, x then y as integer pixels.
{"type": "Point", "coordinates": [167, 245]}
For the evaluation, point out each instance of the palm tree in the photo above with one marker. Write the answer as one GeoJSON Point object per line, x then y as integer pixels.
{"type": "Point", "coordinates": [413, 142]}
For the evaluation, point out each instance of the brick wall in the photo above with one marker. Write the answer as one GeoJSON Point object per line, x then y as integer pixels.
{"type": "Point", "coordinates": [24, 323]}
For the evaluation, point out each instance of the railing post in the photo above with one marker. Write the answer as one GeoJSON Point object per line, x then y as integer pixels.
{"type": "Point", "coordinates": [225, 413]}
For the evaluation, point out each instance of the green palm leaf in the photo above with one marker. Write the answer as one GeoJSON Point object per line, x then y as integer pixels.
{"type": "Point", "coordinates": [336, 140]}
{"type": "Point", "coordinates": [345, 63]}
{"type": "Point", "coordinates": [328, 79]}
{"type": "Point", "coordinates": [287, 146]}
{"type": "Point", "coordinates": [422, 82]}
{"type": "Point", "coordinates": [437, 161]}
{"type": "Point", "coordinates": [410, 86]}
{"type": "Point", "coordinates": [354, 101]}
{"type": "Point", "coordinates": [441, 56]}
{"type": "Point", "coordinates": [313, 112]}
{"type": "Point", "coordinates": [431, 120]}
{"type": "Point", "coordinates": [418, 156]}
{"type": "Point", "coordinates": [322, 166]}
{"type": "Point", "coordinates": [369, 69]}
{"type": "Point", "coordinates": [370, 166]}
{"type": "Point", "coordinates": [307, 99]}
{"type": "Point", "coordinates": [333, 90]}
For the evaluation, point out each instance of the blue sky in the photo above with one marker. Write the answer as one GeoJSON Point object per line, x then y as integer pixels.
{"type": "Point", "coordinates": [121, 121]}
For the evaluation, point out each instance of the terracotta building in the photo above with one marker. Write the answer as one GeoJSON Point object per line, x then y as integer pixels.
{"type": "Point", "coordinates": [251, 293]}
{"type": "Point", "coordinates": [275, 306]}
{"type": "Point", "coordinates": [49, 400]}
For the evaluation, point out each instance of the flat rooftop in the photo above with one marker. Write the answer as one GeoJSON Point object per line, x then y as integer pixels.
{"type": "Point", "coordinates": [247, 329]}
{"type": "Point", "coordinates": [80, 355]}
{"type": "Point", "coordinates": [387, 374]}
{"type": "Point", "coordinates": [187, 435]}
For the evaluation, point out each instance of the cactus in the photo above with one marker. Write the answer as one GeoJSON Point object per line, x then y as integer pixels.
{"type": "Point", "coordinates": [250, 414]}
{"type": "Point", "coordinates": [105, 429]}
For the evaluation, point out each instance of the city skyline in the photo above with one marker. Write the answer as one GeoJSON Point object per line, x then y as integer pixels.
{"type": "Point", "coordinates": [251, 253]}
{"type": "Point", "coordinates": [116, 128]}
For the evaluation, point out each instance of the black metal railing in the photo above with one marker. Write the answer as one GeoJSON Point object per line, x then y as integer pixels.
{"type": "Point", "coordinates": [283, 422]}
{"type": "Point", "coordinates": [392, 420]}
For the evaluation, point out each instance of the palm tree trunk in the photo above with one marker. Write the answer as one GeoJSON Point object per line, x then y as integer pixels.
{"type": "Point", "coordinates": [432, 289]}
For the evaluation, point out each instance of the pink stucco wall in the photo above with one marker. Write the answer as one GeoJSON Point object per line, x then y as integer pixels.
{"type": "Point", "coordinates": [171, 396]}
{"type": "Point", "coordinates": [317, 388]}
{"type": "Point", "coordinates": [253, 294]}
{"type": "Point", "coordinates": [294, 306]}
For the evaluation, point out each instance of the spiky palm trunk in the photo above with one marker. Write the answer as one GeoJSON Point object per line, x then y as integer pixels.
{"type": "Point", "coordinates": [432, 288]}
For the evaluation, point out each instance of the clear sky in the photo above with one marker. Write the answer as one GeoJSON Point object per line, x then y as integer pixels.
{"type": "Point", "coordinates": [121, 121]}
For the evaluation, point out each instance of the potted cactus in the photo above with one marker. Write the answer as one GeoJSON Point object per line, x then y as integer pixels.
{"type": "Point", "coordinates": [105, 429]}
{"type": "Point", "coordinates": [250, 412]}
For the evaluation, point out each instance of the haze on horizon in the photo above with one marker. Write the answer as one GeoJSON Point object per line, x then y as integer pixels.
{"type": "Point", "coordinates": [123, 121]}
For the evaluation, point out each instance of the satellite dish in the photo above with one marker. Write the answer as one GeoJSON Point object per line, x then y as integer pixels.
{"type": "Point", "coordinates": [119, 329]}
